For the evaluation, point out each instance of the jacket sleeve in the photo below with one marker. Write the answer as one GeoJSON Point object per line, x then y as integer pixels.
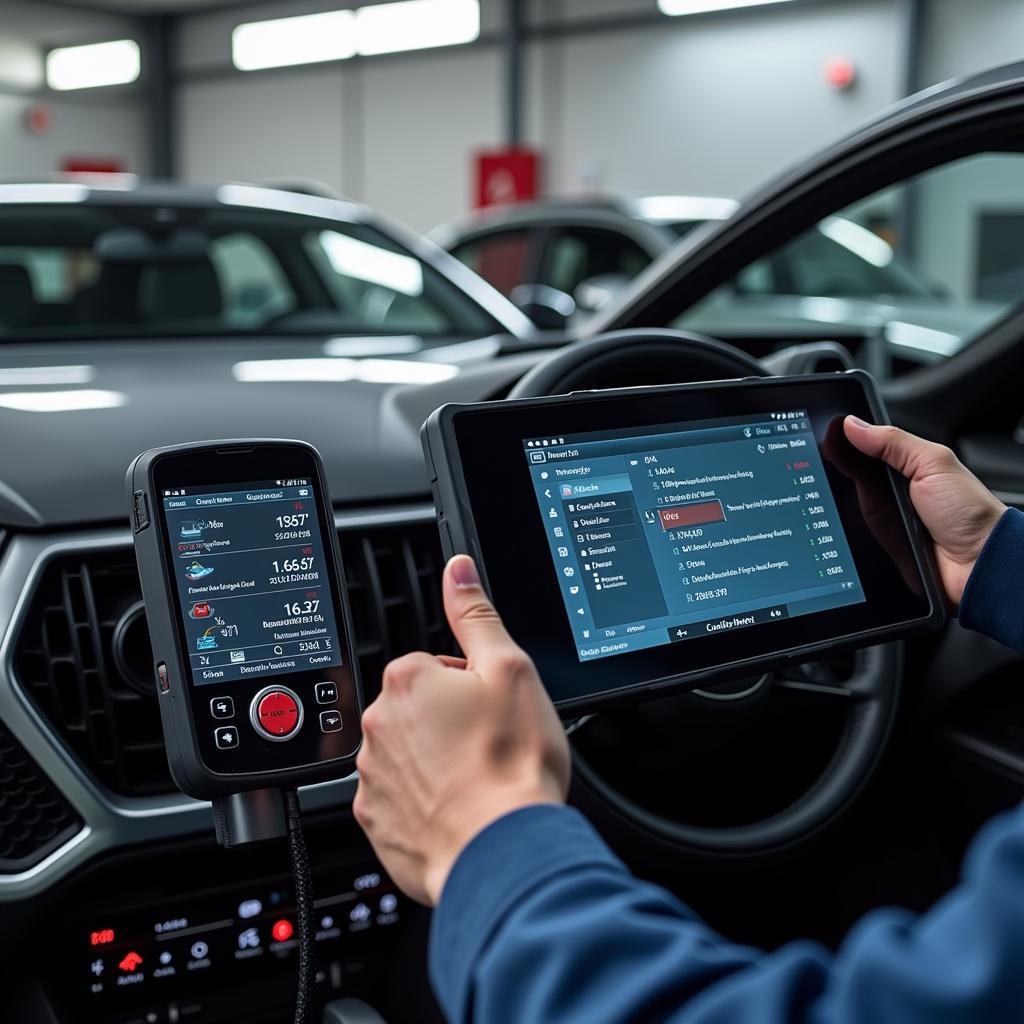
{"type": "Point", "coordinates": [539, 923]}
{"type": "Point", "coordinates": [993, 601]}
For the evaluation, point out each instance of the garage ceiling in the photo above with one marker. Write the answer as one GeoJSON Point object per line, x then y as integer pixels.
{"type": "Point", "coordinates": [143, 7]}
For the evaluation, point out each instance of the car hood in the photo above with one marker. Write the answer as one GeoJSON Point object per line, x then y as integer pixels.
{"type": "Point", "coordinates": [924, 330]}
{"type": "Point", "coordinates": [73, 416]}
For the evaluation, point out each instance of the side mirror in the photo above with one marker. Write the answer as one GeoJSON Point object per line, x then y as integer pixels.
{"type": "Point", "coordinates": [598, 291]}
{"type": "Point", "coordinates": [547, 307]}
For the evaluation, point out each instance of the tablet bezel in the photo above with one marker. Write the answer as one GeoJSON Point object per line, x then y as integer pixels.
{"type": "Point", "coordinates": [487, 508]}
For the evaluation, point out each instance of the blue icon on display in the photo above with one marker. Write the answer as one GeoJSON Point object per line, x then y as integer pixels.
{"type": "Point", "coordinates": [193, 529]}
{"type": "Point", "coordinates": [196, 571]}
{"type": "Point", "coordinates": [206, 643]}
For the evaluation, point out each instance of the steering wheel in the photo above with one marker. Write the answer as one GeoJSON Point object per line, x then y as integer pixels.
{"type": "Point", "coordinates": [867, 698]}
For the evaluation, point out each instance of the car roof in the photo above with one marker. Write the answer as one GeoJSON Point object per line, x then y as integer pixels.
{"type": "Point", "coordinates": [656, 210]}
{"type": "Point", "coordinates": [130, 190]}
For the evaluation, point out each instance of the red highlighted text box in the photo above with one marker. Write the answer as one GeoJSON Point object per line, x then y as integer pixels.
{"type": "Point", "coordinates": [696, 514]}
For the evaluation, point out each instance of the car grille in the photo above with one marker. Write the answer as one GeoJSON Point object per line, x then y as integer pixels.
{"type": "Point", "coordinates": [83, 655]}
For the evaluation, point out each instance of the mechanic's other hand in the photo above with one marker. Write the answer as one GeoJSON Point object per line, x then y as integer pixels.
{"type": "Point", "coordinates": [957, 509]}
{"type": "Point", "coordinates": [451, 745]}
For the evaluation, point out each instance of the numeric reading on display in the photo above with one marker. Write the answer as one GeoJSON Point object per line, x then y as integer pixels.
{"type": "Point", "coordinates": [248, 566]}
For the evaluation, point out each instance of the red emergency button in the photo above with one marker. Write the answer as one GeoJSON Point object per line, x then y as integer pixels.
{"type": "Point", "coordinates": [276, 713]}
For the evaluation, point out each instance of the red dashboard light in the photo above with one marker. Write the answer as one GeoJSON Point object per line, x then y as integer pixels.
{"type": "Point", "coordinates": [130, 962]}
{"type": "Point", "coordinates": [102, 937]}
{"type": "Point", "coordinates": [282, 930]}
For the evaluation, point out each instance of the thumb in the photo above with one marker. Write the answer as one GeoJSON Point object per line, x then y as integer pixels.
{"type": "Point", "coordinates": [906, 453]}
{"type": "Point", "coordinates": [473, 619]}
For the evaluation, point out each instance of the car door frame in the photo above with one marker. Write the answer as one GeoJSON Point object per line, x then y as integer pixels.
{"type": "Point", "coordinates": [925, 132]}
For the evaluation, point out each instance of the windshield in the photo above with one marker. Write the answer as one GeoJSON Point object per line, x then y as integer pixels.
{"type": "Point", "coordinates": [133, 271]}
{"type": "Point", "coordinates": [928, 264]}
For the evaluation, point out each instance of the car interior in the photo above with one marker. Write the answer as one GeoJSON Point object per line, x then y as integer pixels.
{"type": "Point", "coordinates": [780, 806]}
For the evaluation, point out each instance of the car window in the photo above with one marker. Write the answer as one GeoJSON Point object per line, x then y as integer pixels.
{"type": "Point", "coordinates": [252, 283]}
{"type": "Point", "coordinates": [88, 271]}
{"type": "Point", "coordinates": [575, 254]}
{"type": "Point", "coordinates": [933, 262]}
{"type": "Point", "coordinates": [502, 259]}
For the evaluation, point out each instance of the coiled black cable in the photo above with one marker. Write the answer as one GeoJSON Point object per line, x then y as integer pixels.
{"type": "Point", "coordinates": [304, 911]}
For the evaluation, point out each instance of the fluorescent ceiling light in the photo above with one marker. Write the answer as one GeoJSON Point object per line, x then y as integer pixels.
{"type": "Point", "coordinates": [36, 375]}
{"type": "Point", "coordinates": [923, 339]}
{"type": "Point", "coordinates": [338, 35]}
{"type": "Point", "coordinates": [393, 346]}
{"type": "Point", "coordinates": [365, 262]}
{"type": "Point", "coordinates": [674, 7]}
{"type": "Point", "coordinates": [308, 39]}
{"type": "Point", "coordinates": [373, 371]}
{"type": "Point", "coordinates": [464, 351]}
{"type": "Point", "coordinates": [61, 401]}
{"type": "Point", "coordinates": [45, 192]}
{"type": "Point", "coordinates": [85, 67]}
{"type": "Point", "coordinates": [670, 208]}
{"type": "Point", "coordinates": [858, 240]}
{"type": "Point", "coordinates": [416, 25]}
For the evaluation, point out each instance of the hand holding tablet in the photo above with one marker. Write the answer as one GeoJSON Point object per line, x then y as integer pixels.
{"type": "Point", "coordinates": [654, 537]}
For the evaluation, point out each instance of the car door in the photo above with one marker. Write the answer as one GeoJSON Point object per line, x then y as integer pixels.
{"type": "Point", "coordinates": [906, 227]}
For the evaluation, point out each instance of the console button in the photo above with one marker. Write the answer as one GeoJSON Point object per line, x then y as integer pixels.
{"type": "Point", "coordinates": [276, 713]}
{"type": "Point", "coordinates": [222, 707]}
{"type": "Point", "coordinates": [326, 693]}
{"type": "Point", "coordinates": [226, 737]}
{"type": "Point", "coordinates": [330, 721]}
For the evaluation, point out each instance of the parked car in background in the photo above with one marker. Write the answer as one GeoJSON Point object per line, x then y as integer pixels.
{"type": "Point", "coordinates": [577, 257]}
{"type": "Point", "coordinates": [123, 260]}
{"type": "Point", "coordinates": [586, 248]}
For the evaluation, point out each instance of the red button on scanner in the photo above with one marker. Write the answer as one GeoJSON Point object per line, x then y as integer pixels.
{"type": "Point", "coordinates": [277, 713]}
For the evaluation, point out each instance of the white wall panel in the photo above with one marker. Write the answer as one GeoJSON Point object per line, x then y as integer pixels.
{"type": "Point", "coordinates": [962, 36]}
{"type": "Point", "coordinates": [423, 119]}
{"type": "Point", "coordinates": [258, 126]}
{"type": "Point", "coordinates": [79, 129]}
{"type": "Point", "coordinates": [709, 106]}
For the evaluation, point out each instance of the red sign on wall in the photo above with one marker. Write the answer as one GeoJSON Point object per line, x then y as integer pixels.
{"type": "Point", "coordinates": [92, 165]}
{"type": "Point", "coordinates": [507, 176]}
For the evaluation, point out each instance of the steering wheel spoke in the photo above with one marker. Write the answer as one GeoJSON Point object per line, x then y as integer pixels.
{"type": "Point", "coordinates": [852, 676]}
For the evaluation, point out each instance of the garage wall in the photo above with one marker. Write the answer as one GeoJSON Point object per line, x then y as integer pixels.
{"type": "Point", "coordinates": [959, 37]}
{"type": "Point", "coordinates": [708, 105]}
{"type": "Point", "coordinates": [100, 123]}
{"type": "Point", "coordinates": [616, 97]}
{"type": "Point", "coordinates": [658, 106]}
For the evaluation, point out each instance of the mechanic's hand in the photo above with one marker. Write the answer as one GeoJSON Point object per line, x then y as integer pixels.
{"type": "Point", "coordinates": [451, 745]}
{"type": "Point", "coordinates": [957, 509]}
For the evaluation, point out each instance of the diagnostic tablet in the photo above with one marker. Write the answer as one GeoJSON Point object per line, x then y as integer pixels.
{"type": "Point", "coordinates": [653, 537]}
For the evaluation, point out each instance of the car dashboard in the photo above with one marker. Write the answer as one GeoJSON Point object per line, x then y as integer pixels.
{"type": "Point", "coordinates": [148, 940]}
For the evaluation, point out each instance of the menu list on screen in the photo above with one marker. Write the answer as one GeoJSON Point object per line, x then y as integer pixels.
{"type": "Point", "coordinates": [251, 577]}
{"type": "Point", "coordinates": [664, 535]}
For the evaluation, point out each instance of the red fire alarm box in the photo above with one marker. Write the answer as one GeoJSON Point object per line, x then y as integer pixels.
{"type": "Point", "coordinates": [507, 175]}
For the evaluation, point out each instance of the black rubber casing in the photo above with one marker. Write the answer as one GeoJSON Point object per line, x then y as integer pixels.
{"type": "Point", "coordinates": [537, 620]}
{"type": "Point", "coordinates": [197, 766]}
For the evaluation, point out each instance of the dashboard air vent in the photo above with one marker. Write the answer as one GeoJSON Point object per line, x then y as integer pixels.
{"type": "Point", "coordinates": [394, 582]}
{"type": "Point", "coordinates": [34, 818]}
{"type": "Point", "coordinates": [81, 655]}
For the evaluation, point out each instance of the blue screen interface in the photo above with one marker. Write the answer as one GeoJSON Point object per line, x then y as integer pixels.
{"type": "Point", "coordinates": [251, 576]}
{"type": "Point", "coordinates": [668, 534]}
